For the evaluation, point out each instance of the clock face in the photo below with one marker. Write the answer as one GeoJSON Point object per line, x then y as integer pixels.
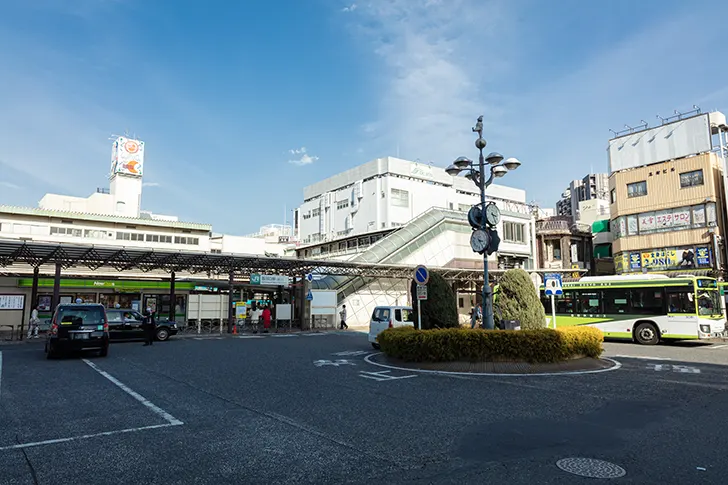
{"type": "Point", "coordinates": [479, 241]}
{"type": "Point", "coordinates": [492, 214]}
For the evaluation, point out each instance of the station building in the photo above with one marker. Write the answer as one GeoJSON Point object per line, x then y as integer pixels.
{"type": "Point", "coordinates": [394, 211]}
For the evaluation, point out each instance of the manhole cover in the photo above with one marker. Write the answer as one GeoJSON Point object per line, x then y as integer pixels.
{"type": "Point", "coordinates": [591, 468]}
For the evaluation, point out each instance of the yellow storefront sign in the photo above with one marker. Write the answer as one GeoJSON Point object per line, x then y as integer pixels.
{"type": "Point", "coordinates": [659, 259]}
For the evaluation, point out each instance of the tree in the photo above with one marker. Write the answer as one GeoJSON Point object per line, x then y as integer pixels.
{"type": "Point", "coordinates": [440, 309]}
{"type": "Point", "coordinates": [517, 300]}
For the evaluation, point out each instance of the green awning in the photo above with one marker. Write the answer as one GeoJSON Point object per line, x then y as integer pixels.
{"type": "Point", "coordinates": [602, 251]}
{"type": "Point", "coordinates": [600, 226]}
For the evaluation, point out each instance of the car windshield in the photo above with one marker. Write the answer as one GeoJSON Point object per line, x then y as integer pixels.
{"type": "Point", "coordinates": [709, 303]}
{"type": "Point", "coordinates": [81, 315]}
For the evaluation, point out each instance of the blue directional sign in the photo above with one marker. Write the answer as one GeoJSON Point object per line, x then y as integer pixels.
{"type": "Point", "coordinates": [552, 284]}
{"type": "Point", "coordinates": [309, 277]}
{"type": "Point", "coordinates": [309, 295]}
{"type": "Point", "coordinates": [422, 275]}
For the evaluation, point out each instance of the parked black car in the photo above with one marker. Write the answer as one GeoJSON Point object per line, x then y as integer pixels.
{"type": "Point", "coordinates": [78, 327]}
{"type": "Point", "coordinates": [127, 324]}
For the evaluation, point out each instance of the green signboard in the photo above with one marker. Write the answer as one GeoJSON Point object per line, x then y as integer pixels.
{"type": "Point", "coordinates": [106, 284]}
{"type": "Point", "coordinates": [254, 279]}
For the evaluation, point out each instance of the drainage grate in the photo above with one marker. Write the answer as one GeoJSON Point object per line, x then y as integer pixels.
{"type": "Point", "coordinates": [591, 468]}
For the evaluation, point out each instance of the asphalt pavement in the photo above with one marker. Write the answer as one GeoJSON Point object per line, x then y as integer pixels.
{"type": "Point", "coordinates": [300, 408]}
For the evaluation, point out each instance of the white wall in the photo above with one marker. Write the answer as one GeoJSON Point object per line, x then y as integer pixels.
{"type": "Point", "coordinates": [332, 202]}
{"type": "Point", "coordinates": [126, 192]}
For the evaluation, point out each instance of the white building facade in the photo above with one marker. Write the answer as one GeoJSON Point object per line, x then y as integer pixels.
{"type": "Point", "coordinates": [387, 193]}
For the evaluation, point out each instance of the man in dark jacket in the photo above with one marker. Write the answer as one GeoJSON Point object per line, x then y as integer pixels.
{"type": "Point", "coordinates": [150, 327]}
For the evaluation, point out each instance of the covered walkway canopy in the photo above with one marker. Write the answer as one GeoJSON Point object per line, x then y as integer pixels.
{"type": "Point", "coordinates": [19, 256]}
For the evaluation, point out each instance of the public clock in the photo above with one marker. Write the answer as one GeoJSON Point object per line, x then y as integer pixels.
{"type": "Point", "coordinates": [479, 241]}
{"type": "Point", "coordinates": [492, 214]}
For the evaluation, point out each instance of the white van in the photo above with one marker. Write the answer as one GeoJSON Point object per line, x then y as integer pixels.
{"type": "Point", "coordinates": [384, 317]}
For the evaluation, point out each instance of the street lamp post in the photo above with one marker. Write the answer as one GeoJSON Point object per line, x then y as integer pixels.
{"type": "Point", "coordinates": [487, 215]}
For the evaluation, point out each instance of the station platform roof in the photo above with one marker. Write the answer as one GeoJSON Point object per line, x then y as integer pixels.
{"type": "Point", "coordinates": [33, 254]}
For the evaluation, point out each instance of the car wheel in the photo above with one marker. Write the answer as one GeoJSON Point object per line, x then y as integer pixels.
{"type": "Point", "coordinates": [50, 352]}
{"type": "Point", "coordinates": [104, 351]}
{"type": "Point", "coordinates": [162, 334]}
{"type": "Point", "coordinates": [646, 334]}
{"type": "Point", "coordinates": [376, 346]}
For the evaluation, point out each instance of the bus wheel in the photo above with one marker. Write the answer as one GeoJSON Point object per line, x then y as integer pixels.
{"type": "Point", "coordinates": [646, 334]}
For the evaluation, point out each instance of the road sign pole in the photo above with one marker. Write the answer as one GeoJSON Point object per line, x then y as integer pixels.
{"type": "Point", "coordinates": [553, 311]}
{"type": "Point", "coordinates": [419, 314]}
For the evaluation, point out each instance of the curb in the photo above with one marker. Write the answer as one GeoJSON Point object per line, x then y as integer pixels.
{"type": "Point", "coordinates": [615, 366]}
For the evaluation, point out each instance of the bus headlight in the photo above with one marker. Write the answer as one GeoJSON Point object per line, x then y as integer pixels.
{"type": "Point", "coordinates": [705, 328]}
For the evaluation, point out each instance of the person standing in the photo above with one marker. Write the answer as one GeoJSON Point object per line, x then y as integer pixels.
{"type": "Point", "coordinates": [342, 314]}
{"type": "Point", "coordinates": [33, 324]}
{"type": "Point", "coordinates": [255, 317]}
{"type": "Point", "coordinates": [266, 318]}
{"type": "Point", "coordinates": [150, 327]}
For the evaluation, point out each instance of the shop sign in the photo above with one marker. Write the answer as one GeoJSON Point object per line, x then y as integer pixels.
{"type": "Point", "coordinates": [703, 256]}
{"type": "Point", "coordinates": [635, 262]}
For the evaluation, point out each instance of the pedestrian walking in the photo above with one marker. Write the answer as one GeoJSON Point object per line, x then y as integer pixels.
{"type": "Point", "coordinates": [475, 315]}
{"type": "Point", "coordinates": [150, 327]}
{"type": "Point", "coordinates": [342, 314]}
{"type": "Point", "coordinates": [266, 318]}
{"type": "Point", "coordinates": [33, 324]}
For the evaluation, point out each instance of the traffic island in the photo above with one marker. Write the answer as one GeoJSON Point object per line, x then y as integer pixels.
{"type": "Point", "coordinates": [459, 350]}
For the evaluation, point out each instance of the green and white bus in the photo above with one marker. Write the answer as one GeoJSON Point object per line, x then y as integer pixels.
{"type": "Point", "coordinates": [644, 308]}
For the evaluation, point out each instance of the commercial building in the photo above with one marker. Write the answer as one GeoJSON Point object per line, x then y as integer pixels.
{"type": "Point", "coordinates": [667, 200]}
{"type": "Point", "coordinates": [594, 186]}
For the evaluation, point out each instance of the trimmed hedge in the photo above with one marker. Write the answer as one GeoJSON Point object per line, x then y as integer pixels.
{"type": "Point", "coordinates": [477, 345]}
{"type": "Point", "coordinates": [518, 300]}
{"type": "Point", "coordinates": [440, 309]}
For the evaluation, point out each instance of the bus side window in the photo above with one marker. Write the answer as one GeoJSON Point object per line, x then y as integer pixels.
{"type": "Point", "coordinates": [680, 300]}
{"type": "Point", "coordinates": [564, 303]}
{"type": "Point", "coordinates": [616, 300]}
{"type": "Point", "coordinates": [648, 301]}
{"type": "Point", "coordinates": [589, 302]}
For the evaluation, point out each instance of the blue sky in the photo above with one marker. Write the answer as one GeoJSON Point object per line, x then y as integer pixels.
{"type": "Point", "coordinates": [227, 95]}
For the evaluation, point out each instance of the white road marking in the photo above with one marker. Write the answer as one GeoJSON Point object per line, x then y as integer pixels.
{"type": "Point", "coordinates": [284, 335]}
{"type": "Point", "coordinates": [675, 368]}
{"type": "Point", "coordinates": [713, 347]}
{"type": "Point", "coordinates": [380, 376]}
{"type": "Point", "coordinates": [335, 363]}
{"type": "Point", "coordinates": [314, 334]}
{"type": "Point", "coordinates": [155, 409]}
{"type": "Point", "coordinates": [353, 352]}
{"type": "Point", "coordinates": [641, 357]}
{"type": "Point", "coordinates": [248, 336]}
{"type": "Point", "coordinates": [87, 436]}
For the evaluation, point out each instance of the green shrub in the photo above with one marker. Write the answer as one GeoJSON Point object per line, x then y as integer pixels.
{"type": "Point", "coordinates": [440, 309]}
{"type": "Point", "coordinates": [457, 344]}
{"type": "Point", "coordinates": [517, 300]}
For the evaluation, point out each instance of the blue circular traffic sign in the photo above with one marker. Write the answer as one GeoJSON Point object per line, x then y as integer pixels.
{"type": "Point", "coordinates": [422, 275]}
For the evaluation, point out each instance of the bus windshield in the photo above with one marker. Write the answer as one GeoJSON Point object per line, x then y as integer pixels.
{"type": "Point", "coordinates": [709, 303]}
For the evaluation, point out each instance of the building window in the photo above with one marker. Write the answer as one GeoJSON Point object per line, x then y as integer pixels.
{"type": "Point", "coordinates": [464, 207]}
{"type": "Point", "coordinates": [514, 232]}
{"type": "Point", "coordinates": [342, 204]}
{"type": "Point", "coordinates": [691, 179]}
{"type": "Point", "coordinates": [400, 198]}
{"type": "Point", "coordinates": [637, 189]}
{"type": "Point", "coordinates": [316, 212]}
{"type": "Point", "coordinates": [614, 195]}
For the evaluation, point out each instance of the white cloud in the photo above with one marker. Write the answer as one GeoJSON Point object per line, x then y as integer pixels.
{"type": "Point", "coordinates": [9, 185]}
{"type": "Point", "coordinates": [350, 8]}
{"type": "Point", "coordinates": [151, 184]}
{"type": "Point", "coordinates": [304, 159]}
{"type": "Point", "coordinates": [443, 63]}
{"type": "Point", "coordinates": [438, 57]}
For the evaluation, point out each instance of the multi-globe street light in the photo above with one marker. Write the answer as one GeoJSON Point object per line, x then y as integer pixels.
{"type": "Point", "coordinates": [484, 217]}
